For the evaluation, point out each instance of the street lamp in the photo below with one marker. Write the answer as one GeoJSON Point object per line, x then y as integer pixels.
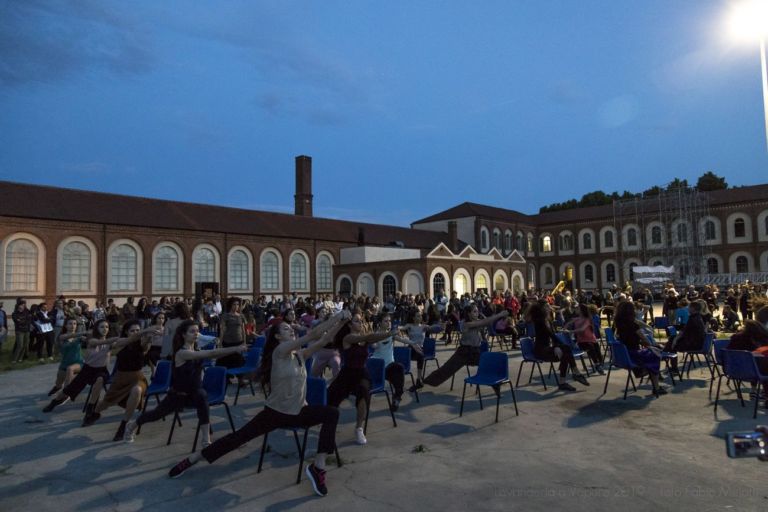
{"type": "Point", "coordinates": [749, 20]}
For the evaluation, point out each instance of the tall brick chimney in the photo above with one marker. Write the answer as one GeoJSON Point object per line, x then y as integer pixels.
{"type": "Point", "coordinates": [453, 236]}
{"type": "Point", "coordinates": [303, 197]}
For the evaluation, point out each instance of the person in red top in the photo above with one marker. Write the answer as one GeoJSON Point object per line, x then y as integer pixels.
{"type": "Point", "coordinates": [584, 329]}
{"type": "Point", "coordinates": [512, 305]}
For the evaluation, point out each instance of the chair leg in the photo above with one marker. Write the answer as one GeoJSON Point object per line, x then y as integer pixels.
{"type": "Point", "coordinates": [302, 451]}
{"type": "Point", "coordinates": [607, 377]}
{"type": "Point", "coordinates": [197, 435]}
{"type": "Point", "coordinates": [757, 398]}
{"type": "Point", "coordinates": [367, 413]}
{"type": "Point", "coordinates": [480, 397]}
{"type": "Point", "coordinates": [173, 426]}
{"type": "Point", "coordinates": [519, 371]}
{"type": "Point", "coordinates": [389, 406]}
{"type": "Point", "coordinates": [237, 394]}
{"type": "Point", "coordinates": [717, 396]}
{"type": "Point", "coordinates": [632, 380]}
{"type": "Point", "coordinates": [626, 387]}
{"type": "Point", "coordinates": [530, 377]}
{"type": "Point", "coordinates": [514, 398]}
{"type": "Point", "coordinates": [250, 383]}
{"type": "Point", "coordinates": [463, 394]}
{"type": "Point", "coordinates": [229, 415]}
{"type": "Point", "coordinates": [498, 399]}
{"type": "Point", "coordinates": [415, 391]}
{"type": "Point", "coordinates": [338, 458]}
{"type": "Point", "coordinates": [263, 451]}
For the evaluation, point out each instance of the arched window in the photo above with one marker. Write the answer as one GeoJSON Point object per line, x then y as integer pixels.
{"type": "Point", "coordinates": [546, 243]}
{"type": "Point", "coordinates": [438, 284]}
{"type": "Point", "coordinates": [549, 276]}
{"type": "Point", "coordinates": [519, 244]}
{"type": "Point", "coordinates": [742, 264]}
{"type": "Point", "coordinates": [498, 283]}
{"type": "Point", "coordinates": [586, 241]}
{"type": "Point", "coordinates": [656, 235]}
{"type": "Point", "coordinates": [632, 237]}
{"type": "Point", "coordinates": [21, 266]}
{"type": "Point", "coordinates": [239, 271]}
{"type": "Point", "coordinates": [324, 275]}
{"type": "Point", "coordinates": [709, 230]}
{"type": "Point", "coordinates": [298, 272]}
{"type": "Point", "coordinates": [270, 271]}
{"type": "Point", "coordinates": [589, 273]}
{"type": "Point", "coordinates": [497, 238]}
{"type": "Point", "coordinates": [75, 267]}
{"type": "Point", "coordinates": [608, 239]}
{"type": "Point", "coordinates": [507, 242]}
{"type": "Point", "coordinates": [739, 229]}
{"type": "Point", "coordinates": [389, 286]}
{"type": "Point", "coordinates": [632, 271]}
{"type": "Point", "coordinates": [682, 232]}
{"type": "Point", "coordinates": [480, 282]}
{"type": "Point", "coordinates": [483, 239]}
{"type": "Point", "coordinates": [712, 266]}
{"type": "Point", "coordinates": [204, 266]}
{"type": "Point", "coordinates": [166, 269]}
{"type": "Point", "coordinates": [530, 242]}
{"type": "Point", "coordinates": [610, 272]}
{"type": "Point", "coordinates": [124, 268]}
{"type": "Point", "coordinates": [345, 287]}
{"type": "Point", "coordinates": [566, 242]}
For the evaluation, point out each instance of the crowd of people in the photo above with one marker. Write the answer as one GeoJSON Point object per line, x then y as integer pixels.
{"type": "Point", "coordinates": [339, 335]}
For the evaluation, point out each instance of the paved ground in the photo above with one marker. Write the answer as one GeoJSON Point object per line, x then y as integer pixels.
{"type": "Point", "coordinates": [578, 451]}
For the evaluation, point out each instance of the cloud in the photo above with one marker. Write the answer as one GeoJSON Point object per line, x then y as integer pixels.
{"type": "Point", "coordinates": [44, 42]}
{"type": "Point", "coordinates": [618, 111]}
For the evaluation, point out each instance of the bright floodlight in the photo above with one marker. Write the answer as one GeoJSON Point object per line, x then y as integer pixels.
{"type": "Point", "coordinates": [749, 19]}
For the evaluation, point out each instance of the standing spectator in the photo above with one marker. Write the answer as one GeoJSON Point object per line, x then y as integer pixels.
{"type": "Point", "coordinates": [745, 300]}
{"type": "Point", "coordinates": [99, 313]}
{"type": "Point", "coordinates": [44, 325]}
{"type": "Point", "coordinates": [113, 319]}
{"type": "Point", "coordinates": [22, 322]}
{"type": "Point", "coordinates": [3, 326]}
{"type": "Point", "coordinates": [129, 310]}
{"type": "Point", "coordinates": [142, 313]}
{"type": "Point", "coordinates": [58, 316]}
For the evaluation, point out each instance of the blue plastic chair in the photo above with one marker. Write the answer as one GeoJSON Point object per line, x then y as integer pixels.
{"type": "Point", "coordinates": [251, 366]}
{"type": "Point", "coordinates": [430, 353]}
{"type": "Point", "coordinates": [671, 331]}
{"type": "Point", "coordinates": [160, 384]}
{"type": "Point", "coordinates": [596, 327]}
{"type": "Point", "coordinates": [740, 366]}
{"type": "Point", "coordinates": [493, 370]}
{"type": "Point", "coordinates": [259, 342]}
{"type": "Point", "coordinates": [403, 356]}
{"type": "Point", "coordinates": [375, 367]}
{"type": "Point", "coordinates": [317, 394]}
{"type": "Point", "coordinates": [706, 351]}
{"type": "Point", "coordinates": [526, 348]}
{"type": "Point", "coordinates": [610, 337]}
{"type": "Point", "coordinates": [620, 359]}
{"type": "Point", "coordinates": [504, 340]}
{"type": "Point", "coordinates": [660, 323]}
{"type": "Point", "coordinates": [577, 352]}
{"type": "Point", "coordinates": [215, 385]}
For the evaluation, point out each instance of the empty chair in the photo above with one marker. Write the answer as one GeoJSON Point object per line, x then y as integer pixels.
{"type": "Point", "coordinates": [526, 348]}
{"type": "Point", "coordinates": [161, 382]}
{"type": "Point", "coordinates": [430, 353]}
{"type": "Point", "coordinates": [493, 370]}
{"type": "Point", "coordinates": [719, 346]}
{"type": "Point", "coordinates": [740, 366]}
{"type": "Point", "coordinates": [620, 359]}
{"type": "Point", "coordinates": [706, 351]}
{"type": "Point", "coordinates": [403, 356]}
{"type": "Point", "coordinates": [249, 369]}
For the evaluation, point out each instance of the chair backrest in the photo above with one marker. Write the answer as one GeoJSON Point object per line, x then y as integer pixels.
{"type": "Point", "coordinates": [259, 342]}
{"type": "Point", "coordinates": [494, 365]}
{"type": "Point", "coordinates": [492, 330]}
{"type": "Point", "coordinates": [317, 391]}
{"type": "Point", "coordinates": [403, 356]}
{"type": "Point", "coordinates": [740, 365]}
{"type": "Point", "coordinates": [564, 338]}
{"type": "Point", "coordinates": [661, 322]}
{"type": "Point", "coordinates": [596, 326]}
{"type": "Point", "coordinates": [484, 346]}
{"type": "Point", "coordinates": [162, 376]}
{"type": "Point", "coordinates": [720, 345]}
{"type": "Point", "coordinates": [429, 347]}
{"type": "Point", "coordinates": [709, 339]}
{"type": "Point", "coordinates": [671, 331]}
{"type": "Point", "coordinates": [252, 358]}
{"type": "Point", "coordinates": [375, 368]}
{"type": "Point", "coordinates": [609, 335]}
{"type": "Point", "coordinates": [215, 383]}
{"type": "Point", "coordinates": [308, 364]}
{"type": "Point", "coordinates": [621, 356]}
{"type": "Point", "coordinates": [526, 348]}
{"type": "Point", "coordinates": [530, 330]}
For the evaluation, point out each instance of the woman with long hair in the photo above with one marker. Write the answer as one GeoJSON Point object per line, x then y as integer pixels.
{"type": "Point", "coordinates": [284, 379]}
{"type": "Point", "coordinates": [69, 341]}
{"type": "Point", "coordinates": [584, 327]}
{"type": "Point", "coordinates": [548, 347]}
{"type": "Point", "coordinates": [179, 313]}
{"type": "Point", "coordinates": [128, 383]}
{"type": "Point", "coordinates": [394, 372]}
{"type": "Point", "coordinates": [632, 334]}
{"type": "Point", "coordinates": [186, 383]}
{"type": "Point", "coordinates": [156, 339]}
{"type": "Point", "coordinates": [417, 333]}
{"type": "Point", "coordinates": [232, 333]}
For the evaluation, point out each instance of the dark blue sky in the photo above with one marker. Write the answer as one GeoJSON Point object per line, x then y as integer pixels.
{"type": "Point", "coordinates": [407, 108]}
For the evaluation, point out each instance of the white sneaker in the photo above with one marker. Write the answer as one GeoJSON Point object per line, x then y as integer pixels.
{"type": "Point", "coordinates": [360, 436]}
{"type": "Point", "coordinates": [130, 432]}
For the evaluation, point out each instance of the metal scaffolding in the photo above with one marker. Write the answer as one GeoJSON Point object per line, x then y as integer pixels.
{"type": "Point", "coordinates": [669, 231]}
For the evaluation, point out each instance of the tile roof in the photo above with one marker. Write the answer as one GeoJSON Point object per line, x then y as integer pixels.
{"type": "Point", "coordinates": [52, 203]}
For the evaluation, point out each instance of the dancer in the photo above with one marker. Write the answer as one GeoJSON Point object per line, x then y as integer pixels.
{"type": "Point", "coordinates": [584, 328]}
{"type": "Point", "coordinates": [284, 377]}
{"type": "Point", "coordinates": [417, 332]}
{"type": "Point", "coordinates": [631, 333]}
{"type": "Point", "coordinates": [186, 383]}
{"type": "Point", "coordinates": [69, 341]}
{"type": "Point", "coordinates": [129, 384]}
{"type": "Point", "coordinates": [394, 372]}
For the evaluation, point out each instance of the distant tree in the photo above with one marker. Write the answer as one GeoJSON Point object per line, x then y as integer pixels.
{"type": "Point", "coordinates": [677, 183]}
{"type": "Point", "coordinates": [653, 191]}
{"type": "Point", "coordinates": [711, 181]}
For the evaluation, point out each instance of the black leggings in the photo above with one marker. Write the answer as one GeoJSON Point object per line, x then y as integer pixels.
{"type": "Point", "coordinates": [88, 376]}
{"type": "Point", "coordinates": [395, 374]}
{"type": "Point", "coordinates": [419, 358]}
{"type": "Point", "coordinates": [349, 381]}
{"type": "Point", "coordinates": [593, 351]}
{"type": "Point", "coordinates": [548, 354]}
{"type": "Point", "coordinates": [269, 419]}
{"type": "Point", "coordinates": [174, 402]}
{"type": "Point", "coordinates": [464, 355]}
